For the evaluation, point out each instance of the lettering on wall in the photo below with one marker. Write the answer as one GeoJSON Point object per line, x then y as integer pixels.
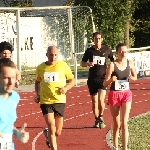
{"type": "Point", "coordinates": [27, 43]}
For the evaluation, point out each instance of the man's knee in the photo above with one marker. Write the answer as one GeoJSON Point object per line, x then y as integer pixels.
{"type": "Point", "coordinates": [58, 132]}
{"type": "Point", "coordinates": [51, 128]}
{"type": "Point", "coordinates": [101, 95]}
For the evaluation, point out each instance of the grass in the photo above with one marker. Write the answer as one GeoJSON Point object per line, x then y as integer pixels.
{"type": "Point", "coordinates": [139, 133]}
{"type": "Point", "coordinates": [28, 77]}
{"type": "Point", "coordinates": [28, 73]}
{"type": "Point", "coordinates": [139, 129]}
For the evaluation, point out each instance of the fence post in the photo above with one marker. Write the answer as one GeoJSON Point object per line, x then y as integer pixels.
{"type": "Point", "coordinates": [18, 40]}
{"type": "Point", "coordinates": [71, 31]}
{"type": "Point", "coordinates": [75, 69]}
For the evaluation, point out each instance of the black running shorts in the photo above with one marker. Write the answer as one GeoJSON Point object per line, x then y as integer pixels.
{"type": "Point", "coordinates": [94, 86]}
{"type": "Point", "coordinates": [57, 108]}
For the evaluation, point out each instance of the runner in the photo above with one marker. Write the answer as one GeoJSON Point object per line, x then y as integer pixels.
{"type": "Point", "coordinates": [95, 57]}
{"type": "Point", "coordinates": [51, 88]}
{"type": "Point", "coordinates": [9, 100]}
{"type": "Point", "coordinates": [6, 52]}
{"type": "Point", "coordinates": [120, 96]}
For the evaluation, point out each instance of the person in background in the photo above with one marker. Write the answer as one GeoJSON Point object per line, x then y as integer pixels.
{"type": "Point", "coordinates": [95, 58]}
{"type": "Point", "coordinates": [6, 52]}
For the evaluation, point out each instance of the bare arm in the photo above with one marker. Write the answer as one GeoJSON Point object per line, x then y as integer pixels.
{"type": "Point", "coordinates": [37, 88]}
{"type": "Point", "coordinates": [133, 75]}
{"type": "Point", "coordinates": [18, 75]}
{"type": "Point", "coordinates": [86, 64]}
{"type": "Point", "coordinates": [18, 78]}
{"type": "Point", "coordinates": [68, 86]}
{"type": "Point", "coordinates": [108, 80]}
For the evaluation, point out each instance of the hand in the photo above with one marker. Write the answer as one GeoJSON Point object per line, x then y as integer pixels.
{"type": "Point", "coordinates": [37, 99]}
{"type": "Point", "coordinates": [131, 77]}
{"type": "Point", "coordinates": [90, 64]}
{"type": "Point", "coordinates": [17, 84]}
{"type": "Point", "coordinates": [113, 78]}
{"type": "Point", "coordinates": [63, 90]}
{"type": "Point", "coordinates": [22, 135]}
{"type": "Point", "coordinates": [1, 135]}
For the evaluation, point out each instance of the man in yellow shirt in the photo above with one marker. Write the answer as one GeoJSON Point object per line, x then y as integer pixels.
{"type": "Point", "coordinates": [51, 88]}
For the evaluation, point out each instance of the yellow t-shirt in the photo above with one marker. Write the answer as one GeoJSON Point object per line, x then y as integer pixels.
{"type": "Point", "coordinates": [51, 78]}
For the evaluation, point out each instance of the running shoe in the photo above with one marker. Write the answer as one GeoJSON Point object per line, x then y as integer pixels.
{"type": "Point", "coordinates": [45, 132]}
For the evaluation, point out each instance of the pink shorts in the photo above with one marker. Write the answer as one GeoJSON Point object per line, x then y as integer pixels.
{"type": "Point", "coordinates": [116, 98]}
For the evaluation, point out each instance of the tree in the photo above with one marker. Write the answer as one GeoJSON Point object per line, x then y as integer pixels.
{"type": "Point", "coordinates": [18, 3]}
{"type": "Point", "coordinates": [141, 24]}
{"type": "Point", "coordinates": [110, 17]}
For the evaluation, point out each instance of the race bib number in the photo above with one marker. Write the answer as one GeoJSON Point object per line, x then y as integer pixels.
{"type": "Point", "coordinates": [6, 142]}
{"type": "Point", "coordinates": [51, 77]}
{"type": "Point", "coordinates": [141, 73]}
{"type": "Point", "coordinates": [121, 85]}
{"type": "Point", "coordinates": [99, 60]}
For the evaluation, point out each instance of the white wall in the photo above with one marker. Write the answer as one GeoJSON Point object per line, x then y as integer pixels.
{"type": "Point", "coordinates": [35, 37]}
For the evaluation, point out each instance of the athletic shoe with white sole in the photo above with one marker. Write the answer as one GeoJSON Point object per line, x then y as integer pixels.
{"type": "Point", "coordinates": [114, 148]}
{"type": "Point", "coordinates": [45, 132]}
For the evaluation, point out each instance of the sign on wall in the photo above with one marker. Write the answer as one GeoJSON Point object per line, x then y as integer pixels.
{"type": "Point", "coordinates": [142, 63]}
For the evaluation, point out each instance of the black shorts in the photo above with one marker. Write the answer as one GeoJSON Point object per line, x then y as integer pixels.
{"type": "Point", "coordinates": [57, 108]}
{"type": "Point", "coordinates": [95, 85]}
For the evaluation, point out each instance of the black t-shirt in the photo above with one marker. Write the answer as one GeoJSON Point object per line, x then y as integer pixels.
{"type": "Point", "coordinates": [99, 68]}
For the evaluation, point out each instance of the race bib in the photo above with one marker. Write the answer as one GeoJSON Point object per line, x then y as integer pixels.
{"type": "Point", "coordinates": [51, 77]}
{"type": "Point", "coordinates": [121, 85]}
{"type": "Point", "coordinates": [99, 60]}
{"type": "Point", "coordinates": [6, 142]}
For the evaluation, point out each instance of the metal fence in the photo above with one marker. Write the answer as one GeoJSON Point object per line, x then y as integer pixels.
{"type": "Point", "coordinates": [31, 30]}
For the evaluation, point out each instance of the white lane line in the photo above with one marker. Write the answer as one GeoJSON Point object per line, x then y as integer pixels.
{"type": "Point", "coordinates": [40, 133]}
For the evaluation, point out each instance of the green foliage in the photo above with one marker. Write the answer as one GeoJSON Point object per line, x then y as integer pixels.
{"type": "Point", "coordinates": [110, 17]}
{"type": "Point", "coordinates": [24, 3]}
{"type": "Point", "coordinates": [141, 24]}
{"type": "Point", "coordinates": [18, 3]}
{"type": "Point", "coordinates": [68, 3]}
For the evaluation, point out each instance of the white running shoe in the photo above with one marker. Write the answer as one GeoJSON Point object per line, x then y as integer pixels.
{"type": "Point", "coordinates": [114, 148]}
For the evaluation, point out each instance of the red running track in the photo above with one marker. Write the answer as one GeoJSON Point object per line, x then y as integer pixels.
{"type": "Point", "coordinates": [77, 133]}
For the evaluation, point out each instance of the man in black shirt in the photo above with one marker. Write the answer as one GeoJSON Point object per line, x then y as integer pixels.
{"type": "Point", "coordinates": [95, 57]}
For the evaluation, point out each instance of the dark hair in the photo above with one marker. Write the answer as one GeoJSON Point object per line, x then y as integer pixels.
{"type": "Point", "coordinates": [120, 45]}
{"type": "Point", "coordinates": [97, 33]}
{"type": "Point", "coordinates": [6, 62]}
{"type": "Point", "coordinates": [6, 46]}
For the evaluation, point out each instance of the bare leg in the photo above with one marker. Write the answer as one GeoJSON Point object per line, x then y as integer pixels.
{"type": "Point", "coordinates": [58, 124]}
{"type": "Point", "coordinates": [101, 99]}
{"type": "Point", "coordinates": [125, 116]}
{"type": "Point", "coordinates": [95, 105]}
{"type": "Point", "coordinates": [50, 121]}
{"type": "Point", "coordinates": [115, 112]}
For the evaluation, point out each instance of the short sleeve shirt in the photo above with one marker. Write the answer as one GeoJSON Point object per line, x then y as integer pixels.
{"type": "Point", "coordinates": [99, 58]}
{"type": "Point", "coordinates": [8, 113]}
{"type": "Point", "coordinates": [51, 78]}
